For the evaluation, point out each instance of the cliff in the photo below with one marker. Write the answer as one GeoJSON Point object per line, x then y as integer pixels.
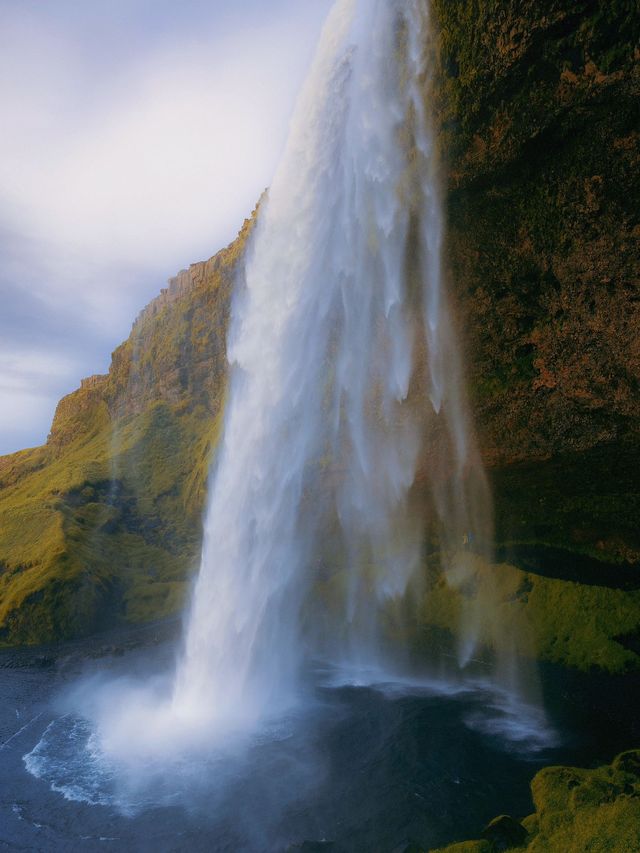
{"type": "Point", "coordinates": [537, 104]}
{"type": "Point", "coordinates": [541, 135]}
{"type": "Point", "coordinates": [102, 523]}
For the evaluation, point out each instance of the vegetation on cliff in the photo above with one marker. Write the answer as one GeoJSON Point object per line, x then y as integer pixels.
{"type": "Point", "coordinates": [103, 523]}
{"type": "Point", "coordinates": [539, 110]}
{"type": "Point", "coordinates": [584, 626]}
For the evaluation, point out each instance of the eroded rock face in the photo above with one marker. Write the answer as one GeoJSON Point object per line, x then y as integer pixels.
{"type": "Point", "coordinates": [544, 244]}
{"type": "Point", "coordinates": [541, 144]}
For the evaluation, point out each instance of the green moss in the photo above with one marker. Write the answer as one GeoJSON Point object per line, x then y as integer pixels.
{"type": "Point", "coordinates": [583, 810]}
{"type": "Point", "coordinates": [505, 58]}
{"type": "Point", "coordinates": [149, 598]}
{"type": "Point", "coordinates": [563, 622]}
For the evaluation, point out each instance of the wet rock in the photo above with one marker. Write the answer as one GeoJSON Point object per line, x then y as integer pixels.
{"type": "Point", "coordinates": [505, 833]}
{"type": "Point", "coordinates": [410, 847]}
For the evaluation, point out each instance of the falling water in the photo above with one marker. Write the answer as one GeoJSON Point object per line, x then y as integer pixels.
{"type": "Point", "coordinates": [347, 463]}
{"type": "Point", "coordinates": [343, 359]}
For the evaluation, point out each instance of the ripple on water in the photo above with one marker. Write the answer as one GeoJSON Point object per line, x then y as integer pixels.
{"type": "Point", "coordinates": [68, 757]}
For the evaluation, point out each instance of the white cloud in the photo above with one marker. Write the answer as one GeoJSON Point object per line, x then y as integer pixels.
{"type": "Point", "coordinates": [119, 169]}
{"type": "Point", "coordinates": [32, 370]}
{"type": "Point", "coordinates": [158, 162]}
{"type": "Point", "coordinates": [30, 385]}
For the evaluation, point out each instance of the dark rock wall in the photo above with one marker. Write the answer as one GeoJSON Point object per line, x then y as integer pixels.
{"type": "Point", "coordinates": [539, 104]}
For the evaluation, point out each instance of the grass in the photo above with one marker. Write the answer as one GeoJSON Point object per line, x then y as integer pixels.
{"type": "Point", "coordinates": [110, 529]}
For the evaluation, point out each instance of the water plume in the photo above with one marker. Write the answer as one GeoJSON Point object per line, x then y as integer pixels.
{"type": "Point", "coordinates": [343, 358]}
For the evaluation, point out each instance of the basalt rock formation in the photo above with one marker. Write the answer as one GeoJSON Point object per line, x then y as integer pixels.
{"type": "Point", "coordinates": [540, 138]}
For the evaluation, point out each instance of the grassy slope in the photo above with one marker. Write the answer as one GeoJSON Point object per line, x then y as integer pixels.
{"type": "Point", "coordinates": [104, 522]}
{"type": "Point", "coordinates": [79, 550]}
{"type": "Point", "coordinates": [560, 621]}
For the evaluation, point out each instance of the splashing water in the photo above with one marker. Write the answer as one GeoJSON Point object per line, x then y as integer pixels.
{"type": "Point", "coordinates": [342, 355]}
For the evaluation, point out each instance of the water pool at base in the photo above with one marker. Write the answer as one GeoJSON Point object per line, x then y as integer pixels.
{"type": "Point", "coordinates": [352, 768]}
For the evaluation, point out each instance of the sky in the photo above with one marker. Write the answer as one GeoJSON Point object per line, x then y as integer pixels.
{"type": "Point", "coordinates": [137, 136]}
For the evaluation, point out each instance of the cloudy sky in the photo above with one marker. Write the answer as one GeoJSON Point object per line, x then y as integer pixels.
{"type": "Point", "coordinates": [137, 135]}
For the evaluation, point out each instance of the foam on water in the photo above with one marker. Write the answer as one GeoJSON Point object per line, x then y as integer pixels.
{"type": "Point", "coordinates": [282, 763]}
{"type": "Point", "coordinates": [76, 760]}
{"type": "Point", "coordinates": [68, 758]}
{"type": "Point", "coordinates": [519, 724]}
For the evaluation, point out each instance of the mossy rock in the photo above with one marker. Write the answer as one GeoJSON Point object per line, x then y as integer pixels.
{"type": "Point", "coordinates": [504, 833]}
{"type": "Point", "coordinates": [577, 625]}
{"type": "Point", "coordinates": [578, 810]}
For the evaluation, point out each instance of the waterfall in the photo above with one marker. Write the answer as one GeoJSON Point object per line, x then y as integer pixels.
{"type": "Point", "coordinates": [345, 383]}
{"type": "Point", "coordinates": [347, 493]}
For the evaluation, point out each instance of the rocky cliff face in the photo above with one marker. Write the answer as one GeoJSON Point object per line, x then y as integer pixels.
{"type": "Point", "coordinates": [175, 353]}
{"type": "Point", "coordinates": [540, 139]}
{"type": "Point", "coordinates": [103, 522]}
{"type": "Point", "coordinates": [539, 107]}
